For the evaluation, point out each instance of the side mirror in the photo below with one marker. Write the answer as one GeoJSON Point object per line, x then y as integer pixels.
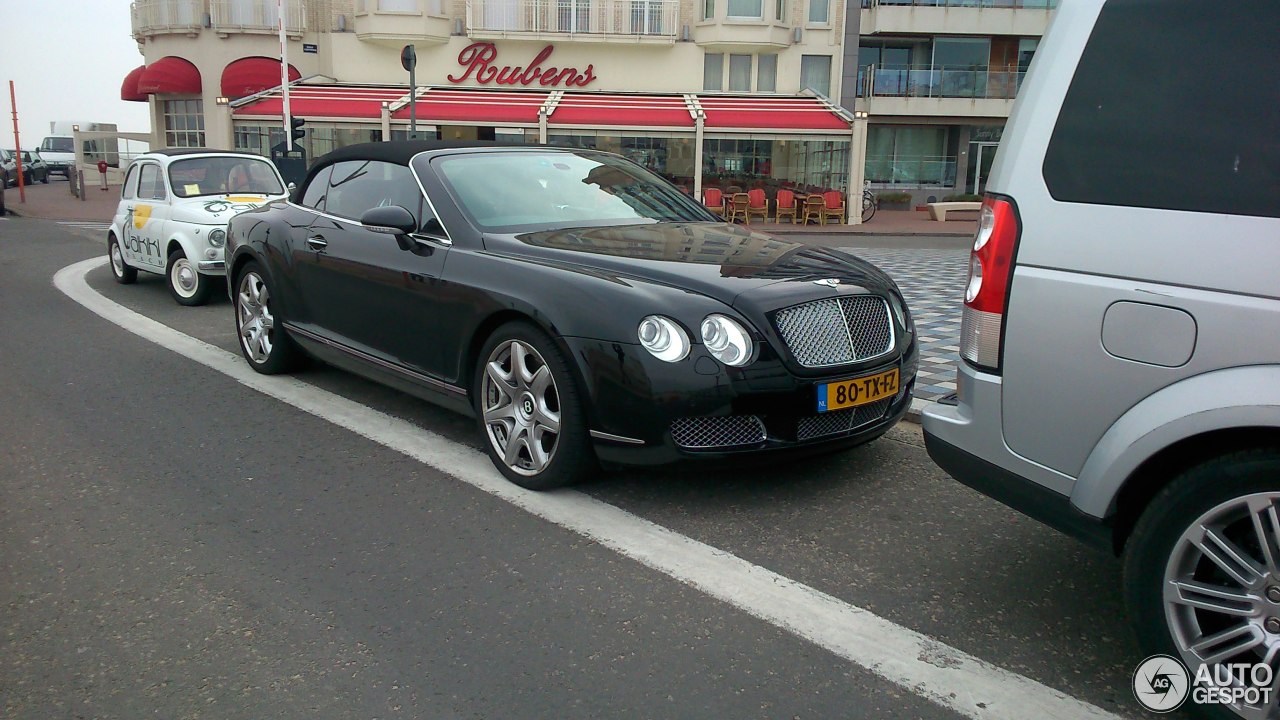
{"type": "Point", "coordinates": [391, 219]}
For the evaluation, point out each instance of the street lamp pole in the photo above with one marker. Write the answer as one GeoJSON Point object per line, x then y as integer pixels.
{"type": "Point", "coordinates": [409, 61]}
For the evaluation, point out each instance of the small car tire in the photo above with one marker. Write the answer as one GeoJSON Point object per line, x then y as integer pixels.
{"type": "Point", "coordinates": [1161, 555]}
{"type": "Point", "coordinates": [45, 178]}
{"type": "Point", "coordinates": [120, 270]}
{"type": "Point", "coordinates": [263, 341]}
{"type": "Point", "coordinates": [522, 403]}
{"type": "Point", "coordinates": [186, 284]}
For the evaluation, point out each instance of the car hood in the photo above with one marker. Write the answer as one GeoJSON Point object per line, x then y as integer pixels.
{"type": "Point", "coordinates": [216, 209]}
{"type": "Point", "coordinates": [726, 262]}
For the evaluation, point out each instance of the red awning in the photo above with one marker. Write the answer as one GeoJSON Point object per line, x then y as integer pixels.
{"type": "Point", "coordinates": [487, 107]}
{"type": "Point", "coordinates": [642, 111]}
{"type": "Point", "coordinates": [250, 75]}
{"type": "Point", "coordinates": [320, 101]}
{"type": "Point", "coordinates": [170, 76]}
{"type": "Point", "coordinates": [129, 88]}
{"type": "Point", "coordinates": [771, 113]}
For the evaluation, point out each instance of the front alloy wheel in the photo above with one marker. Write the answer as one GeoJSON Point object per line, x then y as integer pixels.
{"type": "Point", "coordinates": [529, 411]}
{"type": "Point", "coordinates": [1203, 572]}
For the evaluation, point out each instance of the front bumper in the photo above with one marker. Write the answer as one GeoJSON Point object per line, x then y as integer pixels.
{"type": "Point", "coordinates": [637, 400]}
{"type": "Point", "coordinates": [212, 267]}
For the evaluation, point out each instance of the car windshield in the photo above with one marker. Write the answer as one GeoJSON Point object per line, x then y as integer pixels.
{"type": "Point", "coordinates": [517, 191]}
{"type": "Point", "coordinates": [57, 144]}
{"type": "Point", "coordinates": [221, 175]}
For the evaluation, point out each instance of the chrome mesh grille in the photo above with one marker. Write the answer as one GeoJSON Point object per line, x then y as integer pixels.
{"type": "Point", "coordinates": [840, 421]}
{"type": "Point", "coordinates": [837, 330]}
{"type": "Point", "coordinates": [717, 432]}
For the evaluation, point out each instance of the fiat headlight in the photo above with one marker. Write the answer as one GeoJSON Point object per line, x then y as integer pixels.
{"type": "Point", "coordinates": [218, 237]}
{"type": "Point", "coordinates": [726, 340]}
{"type": "Point", "coordinates": [663, 338]}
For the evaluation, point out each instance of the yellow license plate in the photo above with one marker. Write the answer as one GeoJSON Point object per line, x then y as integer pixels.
{"type": "Point", "coordinates": [858, 391]}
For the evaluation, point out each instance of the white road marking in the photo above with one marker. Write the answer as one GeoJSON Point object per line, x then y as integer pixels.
{"type": "Point", "coordinates": [925, 667]}
{"type": "Point", "coordinates": [85, 224]}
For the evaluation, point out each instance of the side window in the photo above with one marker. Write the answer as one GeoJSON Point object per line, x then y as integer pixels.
{"type": "Point", "coordinates": [1187, 125]}
{"type": "Point", "coordinates": [359, 186]}
{"type": "Point", "coordinates": [151, 183]}
{"type": "Point", "coordinates": [317, 190]}
{"type": "Point", "coordinates": [130, 188]}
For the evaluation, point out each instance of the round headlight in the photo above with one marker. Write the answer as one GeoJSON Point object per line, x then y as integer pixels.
{"type": "Point", "coordinates": [663, 338]}
{"type": "Point", "coordinates": [726, 340]}
{"type": "Point", "coordinates": [217, 237]}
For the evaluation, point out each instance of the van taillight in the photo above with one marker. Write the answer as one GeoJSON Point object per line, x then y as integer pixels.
{"type": "Point", "coordinates": [990, 270]}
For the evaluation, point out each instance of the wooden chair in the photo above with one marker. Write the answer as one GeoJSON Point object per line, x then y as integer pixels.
{"type": "Point", "coordinates": [786, 206]}
{"type": "Point", "coordinates": [737, 208]}
{"type": "Point", "coordinates": [757, 205]}
{"type": "Point", "coordinates": [813, 206]}
{"type": "Point", "coordinates": [833, 206]}
{"type": "Point", "coordinates": [714, 200]}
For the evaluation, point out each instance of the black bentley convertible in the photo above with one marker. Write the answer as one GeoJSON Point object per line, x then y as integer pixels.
{"type": "Point", "coordinates": [579, 306]}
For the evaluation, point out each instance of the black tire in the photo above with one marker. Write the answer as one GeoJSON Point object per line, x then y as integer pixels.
{"type": "Point", "coordinates": [190, 290]}
{"type": "Point", "coordinates": [1197, 491]}
{"type": "Point", "coordinates": [120, 270]}
{"type": "Point", "coordinates": [252, 291]}
{"type": "Point", "coordinates": [45, 178]}
{"type": "Point", "coordinates": [572, 459]}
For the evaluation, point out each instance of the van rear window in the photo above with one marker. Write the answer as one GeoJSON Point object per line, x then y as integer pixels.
{"type": "Point", "coordinates": [1175, 105]}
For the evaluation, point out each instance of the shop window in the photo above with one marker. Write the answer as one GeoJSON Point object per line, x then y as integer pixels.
{"type": "Point", "coordinates": [183, 123]}
{"type": "Point", "coordinates": [767, 73]}
{"type": "Point", "coordinates": [746, 9]}
{"type": "Point", "coordinates": [910, 156]}
{"type": "Point", "coordinates": [815, 73]}
{"type": "Point", "coordinates": [713, 72]}
{"type": "Point", "coordinates": [774, 163]}
{"type": "Point", "coordinates": [819, 10]}
{"type": "Point", "coordinates": [739, 73]}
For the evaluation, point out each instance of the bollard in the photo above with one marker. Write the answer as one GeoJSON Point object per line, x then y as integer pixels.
{"type": "Point", "coordinates": [80, 183]}
{"type": "Point", "coordinates": [102, 173]}
{"type": "Point", "coordinates": [2, 199]}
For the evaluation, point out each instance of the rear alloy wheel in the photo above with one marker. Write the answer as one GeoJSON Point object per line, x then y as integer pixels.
{"type": "Point", "coordinates": [530, 415]}
{"type": "Point", "coordinates": [120, 270]}
{"type": "Point", "coordinates": [186, 284]}
{"type": "Point", "coordinates": [1202, 572]}
{"type": "Point", "coordinates": [263, 342]}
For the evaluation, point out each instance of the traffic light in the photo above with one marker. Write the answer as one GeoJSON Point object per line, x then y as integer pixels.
{"type": "Point", "coordinates": [296, 125]}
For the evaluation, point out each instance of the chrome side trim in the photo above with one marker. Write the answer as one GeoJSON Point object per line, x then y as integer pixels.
{"type": "Point", "coordinates": [415, 376]}
{"type": "Point", "coordinates": [615, 438]}
{"type": "Point", "coordinates": [211, 266]}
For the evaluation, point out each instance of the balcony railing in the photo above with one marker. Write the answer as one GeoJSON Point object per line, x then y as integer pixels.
{"type": "Point", "coordinates": [257, 16]}
{"type": "Point", "coordinates": [587, 17]}
{"type": "Point", "coordinates": [939, 82]}
{"type": "Point", "coordinates": [911, 170]}
{"type": "Point", "coordinates": [165, 16]}
{"type": "Point", "coordinates": [1005, 4]}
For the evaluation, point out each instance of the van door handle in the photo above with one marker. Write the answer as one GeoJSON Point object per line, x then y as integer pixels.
{"type": "Point", "coordinates": [317, 242]}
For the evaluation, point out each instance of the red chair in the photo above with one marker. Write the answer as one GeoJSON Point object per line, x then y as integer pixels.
{"type": "Point", "coordinates": [786, 205]}
{"type": "Point", "coordinates": [757, 205]}
{"type": "Point", "coordinates": [713, 198]}
{"type": "Point", "coordinates": [832, 206]}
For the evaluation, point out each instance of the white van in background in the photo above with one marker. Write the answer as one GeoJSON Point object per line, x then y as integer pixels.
{"type": "Point", "coordinates": [58, 148]}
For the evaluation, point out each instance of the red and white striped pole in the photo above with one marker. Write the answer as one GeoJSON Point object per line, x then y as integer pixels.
{"type": "Point", "coordinates": [284, 76]}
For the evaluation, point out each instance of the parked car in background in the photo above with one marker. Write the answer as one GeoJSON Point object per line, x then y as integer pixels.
{"type": "Point", "coordinates": [59, 152]}
{"type": "Point", "coordinates": [8, 169]}
{"type": "Point", "coordinates": [34, 168]}
{"type": "Point", "coordinates": [1121, 328]}
{"type": "Point", "coordinates": [578, 305]}
{"type": "Point", "coordinates": [173, 214]}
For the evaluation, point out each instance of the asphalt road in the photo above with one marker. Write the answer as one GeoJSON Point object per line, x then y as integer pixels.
{"type": "Point", "coordinates": [175, 544]}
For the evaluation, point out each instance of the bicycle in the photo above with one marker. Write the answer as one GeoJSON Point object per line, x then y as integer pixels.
{"type": "Point", "coordinates": [869, 202]}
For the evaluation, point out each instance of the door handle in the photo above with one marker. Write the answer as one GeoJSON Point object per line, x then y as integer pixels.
{"type": "Point", "coordinates": [317, 242]}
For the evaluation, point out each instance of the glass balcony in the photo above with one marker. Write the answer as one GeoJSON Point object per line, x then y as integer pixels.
{"type": "Point", "coordinates": [911, 170]}
{"type": "Point", "coordinates": [156, 17]}
{"type": "Point", "coordinates": [641, 18]}
{"type": "Point", "coordinates": [939, 82]}
{"type": "Point", "coordinates": [1005, 4]}
{"type": "Point", "coordinates": [229, 16]}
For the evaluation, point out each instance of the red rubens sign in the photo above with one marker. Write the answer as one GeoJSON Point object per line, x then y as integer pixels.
{"type": "Point", "coordinates": [478, 61]}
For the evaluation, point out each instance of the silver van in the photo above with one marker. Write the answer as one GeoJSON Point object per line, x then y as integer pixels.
{"type": "Point", "coordinates": [1120, 374]}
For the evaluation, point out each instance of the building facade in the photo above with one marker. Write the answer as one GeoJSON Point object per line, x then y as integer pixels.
{"type": "Point", "coordinates": [709, 93]}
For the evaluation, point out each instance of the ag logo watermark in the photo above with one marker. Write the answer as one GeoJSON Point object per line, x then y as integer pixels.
{"type": "Point", "coordinates": [1162, 684]}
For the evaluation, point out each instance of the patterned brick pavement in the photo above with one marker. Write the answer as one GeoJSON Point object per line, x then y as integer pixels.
{"type": "Point", "coordinates": [932, 281]}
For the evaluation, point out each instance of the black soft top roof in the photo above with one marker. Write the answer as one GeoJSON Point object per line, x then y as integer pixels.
{"type": "Point", "coordinates": [401, 151]}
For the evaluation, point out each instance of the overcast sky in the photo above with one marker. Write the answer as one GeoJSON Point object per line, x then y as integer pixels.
{"type": "Point", "coordinates": [66, 59]}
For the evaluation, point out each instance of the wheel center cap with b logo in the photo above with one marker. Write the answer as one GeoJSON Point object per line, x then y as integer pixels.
{"type": "Point", "coordinates": [526, 407]}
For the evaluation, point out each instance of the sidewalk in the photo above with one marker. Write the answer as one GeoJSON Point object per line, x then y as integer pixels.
{"type": "Point", "coordinates": [885, 222]}
{"type": "Point", "coordinates": [55, 202]}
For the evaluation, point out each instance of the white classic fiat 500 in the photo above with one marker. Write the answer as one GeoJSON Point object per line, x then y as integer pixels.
{"type": "Point", "coordinates": [173, 214]}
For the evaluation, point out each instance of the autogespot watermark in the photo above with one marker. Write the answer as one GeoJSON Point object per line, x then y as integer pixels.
{"type": "Point", "coordinates": [1162, 684]}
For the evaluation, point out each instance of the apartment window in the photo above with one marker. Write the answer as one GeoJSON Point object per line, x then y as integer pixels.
{"type": "Point", "coordinates": [815, 73]}
{"type": "Point", "coordinates": [398, 5]}
{"type": "Point", "coordinates": [746, 9]}
{"type": "Point", "coordinates": [740, 73]}
{"type": "Point", "coordinates": [713, 72]}
{"type": "Point", "coordinates": [961, 53]}
{"type": "Point", "coordinates": [818, 12]}
{"type": "Point", "coordinates": [183, 123]}
{"type": "Point", "coordinates": [780, 10]}
{"type": "Point", "coordinates": [767, 73]}
{"type": "Point", "coordinates": [708, 9]}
